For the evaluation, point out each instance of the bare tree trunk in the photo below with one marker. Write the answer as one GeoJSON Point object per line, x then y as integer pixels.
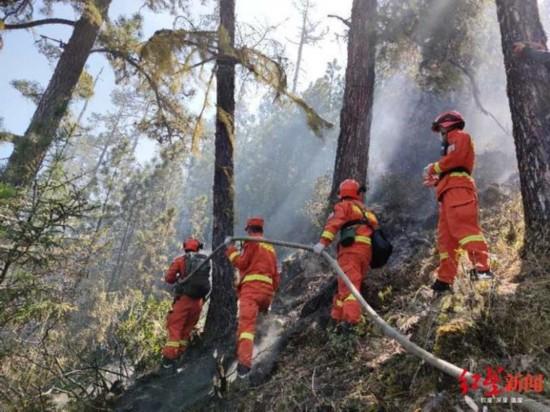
{"type": "Point", "coordinates": [220, 323]}
{"type": "Point", "coordinates": [29, 151]}
{"type": "Point", "coordinates": [529, 98]}
{"type": "Point", "coordinates": [352, 154]}
{"type": "Point", "coordinates": [303, 36]}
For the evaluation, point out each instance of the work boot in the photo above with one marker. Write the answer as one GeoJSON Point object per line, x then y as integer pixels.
{"type": "Point", "coordinates": [167, 363]}
{"type": "Point", "coordinates": [478, 275]}
{"type": "Point", "coordinates": [441, 287]}
{"type": "Point", "coordinates": [242, 371]}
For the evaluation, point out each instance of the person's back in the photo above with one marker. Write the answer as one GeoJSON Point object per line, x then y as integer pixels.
{"type": "Point", "coordinates": [258, 281]}
{"type": "Point", "coordinates": [188, 300]}
{"type": "Point", "coordinates": [195, 281]}
{"type": "Point", "coordinates": [355, 224]}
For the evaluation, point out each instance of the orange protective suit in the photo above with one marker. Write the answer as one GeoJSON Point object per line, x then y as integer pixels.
{"type": "Point", "coordinates": [184, 315]}
{"type": "Point", "coordinates": [258, 281]}
{"type": "Point", "coordinates": [354, 259]}
{"type": "Point", "coordinates": [458, 226]}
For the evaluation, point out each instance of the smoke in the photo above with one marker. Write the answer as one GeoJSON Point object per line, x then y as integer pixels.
{"type": "Point", "coordinates": [401, 140]}
{"type": "Point", "coordinates": [268, 344]}
{"type": "Point", "coordinates": [278, 160]}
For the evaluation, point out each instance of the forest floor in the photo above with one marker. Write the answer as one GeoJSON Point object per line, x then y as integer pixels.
{"type": "Point", "coordinates": [504, 323]}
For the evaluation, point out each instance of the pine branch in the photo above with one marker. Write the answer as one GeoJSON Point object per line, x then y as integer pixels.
{"type": "Point", "coordinates": [34, 23]}
{"type": "Point", "coordinates": [8, 137]}
{"type": "Point", "coordinates": [196, 129]}
{"type": "Point", "coordinates": [161, 102]}
{"type": "Point", "coordinates": [345, 21]}
{"type": "Point", "coordinates": [476, 94]}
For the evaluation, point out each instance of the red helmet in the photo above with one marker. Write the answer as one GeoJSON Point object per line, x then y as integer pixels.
{"type": "Point", "coordinates": [448, 120]}
{"type": "Point", "coordinates": [350, 188]}
{"type": "Point", "coordinates": [192, 245]}
{"type": "Point", "coordinates": [256, 222]}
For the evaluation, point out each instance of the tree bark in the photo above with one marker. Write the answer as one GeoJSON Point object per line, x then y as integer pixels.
{"type": "Point", "coordinates": [529, 97]}
{"type": "Point", "coordinates": [29, 151]}
{"type": "Point", "coordinates": [352, 153]}
{"type": "Point", "coordinates": [303, 35]}
{"type": "Point", "coordinates": [220, 323]}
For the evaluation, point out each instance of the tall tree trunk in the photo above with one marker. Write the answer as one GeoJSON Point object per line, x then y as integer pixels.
{"type": "Point", "coordinates": [303, 36]}
{"type": "Point", "coordinates": [352, 154]}
{"type": "Point", "coordinates": [529, 98]}
{"type": "Point", "coordinates": [222, 313]}
{"type": "Point", "coordinates": [29, 151]}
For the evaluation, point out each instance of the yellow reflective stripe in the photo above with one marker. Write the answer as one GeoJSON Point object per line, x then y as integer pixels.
{"type": "Point", "coordinates": [443, 256]}
{"type": "Point", "coordinates": [437, 168]}
{"type": "Point", "coordinates": [371, 217]}
{"type": "Point", "coordinates": [363, 239]}
{"type": "Point", "coordinates": [233, 255]}
{"type": "Point", "coordinates": [267, 247]}
{"type": "Point", "coordinates": [357, 209]}
{"type": "Point", "coordinates": [350, 297]}
{"type": "Point", "coordinates": [328, 235]}
{"type": "Point", "coordinates": [258, 277]}
{"type": "Point", "coordinates": [472, 238]}
{"type": "Point", "coordinates": [246, 335]}
{"type": "Point", "coordinates": [173, 343]}
{"type": "Point", "coordinates": [461, 174]}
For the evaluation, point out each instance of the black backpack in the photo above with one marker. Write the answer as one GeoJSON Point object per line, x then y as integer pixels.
{"type": "Point", "coordinates": [380, 246]}
{"type": "Point", "coordinates": [198, 285]}
{"type": "Point", "coordinates": [381, 249]}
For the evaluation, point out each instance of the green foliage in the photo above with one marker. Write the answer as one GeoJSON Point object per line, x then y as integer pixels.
{"type": "Point", "coordinates": [30, 300]}
{"type": "Point", "coordinates": [142, 331]}
{"type": "Point", "coordinates": [95, 228]}
{"type": "Point", "coordinates": [93, 12]}
{"type": "Point", "coordinates": [85, 86]}
{"type": "Point", "coordinates": [7, 191]}
{"type": "Point", "coordinates": [199, 216]}
{"type": "Point", "coordinates": [123, 35]}
{"type": "Point", "coordinates": [316, 207]}
{"type": "Point", "coordinates": [29, 89]}
{"type": "Point", "coordinates": [435, 39]}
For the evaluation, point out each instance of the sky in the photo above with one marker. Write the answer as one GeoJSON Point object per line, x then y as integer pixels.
{"type": "Point", "coordinates": [19, 58]}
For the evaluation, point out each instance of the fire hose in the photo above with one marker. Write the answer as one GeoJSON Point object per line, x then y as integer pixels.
{"type": "Point", "coordinates": [441, 364]}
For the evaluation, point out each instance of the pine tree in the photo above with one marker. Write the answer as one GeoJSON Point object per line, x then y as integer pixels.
{"type": "Point", "coordinates": [529, 97]}
{"type": "Point", "coordinates": [308, 35]}
{"type": "Point", "coordinates": [352, 155]}
{"type": "Point", "coordinates": [222, 313]}
{"type": "Point", "coordinates": [30, 149]}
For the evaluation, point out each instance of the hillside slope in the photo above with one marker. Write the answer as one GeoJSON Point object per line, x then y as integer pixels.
{"type": "Point", "coordinates": [501, 324]}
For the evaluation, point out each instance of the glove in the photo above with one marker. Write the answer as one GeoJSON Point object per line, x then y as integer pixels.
{"type": "Point", "coordinates": [227, 241]}
{"type": "Point", "coordinates": [431, 181]}
{"type": "Point", "coordinates": [318, 248]}
{"type": "Point", "coordinates": [430, 177]}
{"type": "Point", "coordinates": [428, 171]}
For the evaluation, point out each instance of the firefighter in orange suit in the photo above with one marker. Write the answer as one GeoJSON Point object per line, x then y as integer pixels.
{"type": "Point", "coordinates": [354, 248]}
{"type": "Point", "coordinates": [185, 311]}
{"type": "Point", "coordinates": [458, 227]}
{"type": "Point", "coordinates": [258, 281]}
